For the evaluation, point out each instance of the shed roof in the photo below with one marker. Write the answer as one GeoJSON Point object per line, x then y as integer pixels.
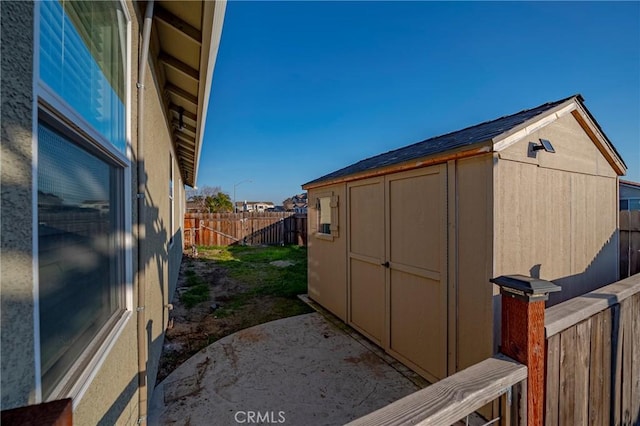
{"type": "Point", "coordinates": [461, 140]}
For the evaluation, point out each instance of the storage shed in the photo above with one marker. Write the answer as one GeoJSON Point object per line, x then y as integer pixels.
{"type": "Point", "coordinates": [402, 245]}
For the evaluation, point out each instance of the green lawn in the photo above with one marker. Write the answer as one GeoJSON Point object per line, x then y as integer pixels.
{"type": "Point", "coordinates": [251, 266]}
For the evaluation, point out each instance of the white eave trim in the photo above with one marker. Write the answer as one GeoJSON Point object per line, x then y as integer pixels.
{"type": "Point", "coordinates": [505, 140]}
{"type": "Point", "coordinates": [600, 139]}
{"type": "Point", "coordinates": [213, 18]}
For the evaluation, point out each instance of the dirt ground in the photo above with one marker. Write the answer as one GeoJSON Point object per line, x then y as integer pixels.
{"type": "Point", "coordinates": [195, 328]}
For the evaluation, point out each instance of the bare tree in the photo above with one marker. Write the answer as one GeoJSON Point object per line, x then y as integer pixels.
{"type": "Point", "coordinates": [200, 195]}
{"type": "Point", "coordinates": [288, 204]}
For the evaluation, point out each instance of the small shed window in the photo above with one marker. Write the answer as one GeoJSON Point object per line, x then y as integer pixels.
{"type": "Point", "coordinates": [324, 215]}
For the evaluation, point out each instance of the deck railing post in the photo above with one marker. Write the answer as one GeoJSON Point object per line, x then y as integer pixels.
{"type": "Point", "coordinates": [523, 336]}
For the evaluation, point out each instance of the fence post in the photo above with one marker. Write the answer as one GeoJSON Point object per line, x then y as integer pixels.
{"type": "Point", "coordinates": [523, 336]}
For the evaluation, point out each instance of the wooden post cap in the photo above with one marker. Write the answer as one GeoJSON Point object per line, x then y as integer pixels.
{"type": "Point", "coordinates": [524, 287]}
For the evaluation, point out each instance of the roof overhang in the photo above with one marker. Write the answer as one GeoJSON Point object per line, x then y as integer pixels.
{"type": "Point", "coordinates": [184, 47]}
{"type": "Point", "coordinates": [576, 108]}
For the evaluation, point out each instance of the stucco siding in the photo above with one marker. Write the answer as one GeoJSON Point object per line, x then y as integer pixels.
{"type": "Point", "coordinates": [16, 260]}
{"type": "Point", "coordinates": [157, 151]}
{"type": "Point", "coordinates": [112, 396]}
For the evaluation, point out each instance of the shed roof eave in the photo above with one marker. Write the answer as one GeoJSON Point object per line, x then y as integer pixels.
{"type": "Point", "coordinates": [574, 106]}
{"type": "Point", "coordinates": [467, 151]}
{"type": "Point", "coordinates": [599, 138]}
{"type": "Point", "coordinates": [517, 133]}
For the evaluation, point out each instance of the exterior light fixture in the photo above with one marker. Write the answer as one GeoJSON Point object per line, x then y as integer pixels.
{"type": "Point", "coordinates": [544, 144]}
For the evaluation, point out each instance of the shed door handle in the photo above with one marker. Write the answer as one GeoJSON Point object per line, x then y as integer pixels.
{"type": "Point", "coordinates": [385, 264]}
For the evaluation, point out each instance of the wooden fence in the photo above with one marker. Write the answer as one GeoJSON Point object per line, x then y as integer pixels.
{"type": "Point", "coordinates": [593, 357]}
{"type": "Point", "coordinates": [629, 242]}
{"type": "Point", "coordinates": [223, 229]}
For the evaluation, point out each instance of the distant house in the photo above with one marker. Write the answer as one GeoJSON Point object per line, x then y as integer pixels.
{"type": "Point", "coordinates": [194, 207]}
{"type": "Point", "coordinates": [297, 203]}
{"type": "Point", "coordinates": [629, 195]}
{"type": "Point", "coordinates": [103, 109]}
{"type": "Point", "coordinates": [254, 206]}
{"type": "Point", "coordinates": [402, 245]}
{"type": "Point", "coordinates": [629, 228]}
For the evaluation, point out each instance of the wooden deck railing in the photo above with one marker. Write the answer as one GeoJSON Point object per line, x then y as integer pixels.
{"type": "Point", "coordinates": [459, 395]}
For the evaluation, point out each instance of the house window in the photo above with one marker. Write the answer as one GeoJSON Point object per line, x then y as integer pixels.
{"type": "Point", "coordinates": [630, 204]}
{"type": "Point", "coordinates": [83, 57]}
{"type": "Point", "coordinates": [323, 206]}
{"type": "Point", "coordinates": [83, 187]}
{"type": "Point", "coordinates": [80, 227]}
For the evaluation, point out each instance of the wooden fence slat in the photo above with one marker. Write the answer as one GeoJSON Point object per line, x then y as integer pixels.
{"type": "Point", "coordinates": [627, 349]}
{"type": "Point", "coordinates": [583, 350]}
{"type": "Point", "coordinates": [552, 364]}
{"type": "Point", "coordinates": [606, 365]}
{"type": "Point", "coordinates": [566, 398]}
{"type": "Point", "coordinates": [635, 361]}
{"type": "Point", "coordinates": [616, 364]}
{"type": "Point", "coordinates": [596, 371]}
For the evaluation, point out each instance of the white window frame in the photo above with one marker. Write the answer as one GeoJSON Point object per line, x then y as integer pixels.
{"type": "Point", "coordinates": [334, 225]}
{"type": "Point", "coordinates": [73, 384]}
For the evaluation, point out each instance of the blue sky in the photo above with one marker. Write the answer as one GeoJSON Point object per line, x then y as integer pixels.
{"type": "Point", "coordinates": [302, 89]}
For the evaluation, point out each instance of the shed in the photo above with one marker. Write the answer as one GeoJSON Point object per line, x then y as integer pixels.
{"type": "Point", "coordinates": [402, 245]}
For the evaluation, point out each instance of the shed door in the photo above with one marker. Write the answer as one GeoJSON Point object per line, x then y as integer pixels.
{"type": "Point", "coordinates": [401, 220]}
{"type": "Point", "coordinates": [367, 301]}
{"type": "Point", "coordinates": [416, 216]}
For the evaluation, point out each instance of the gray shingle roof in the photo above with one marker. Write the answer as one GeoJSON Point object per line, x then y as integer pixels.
{"type": "Point", "coordinates": [469, 136]}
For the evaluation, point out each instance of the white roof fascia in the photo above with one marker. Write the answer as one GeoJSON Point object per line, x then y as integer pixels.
{"type": "Point", "coordinates": [505, 140]}
{"type": "Point", "coordinates": [213, 14]}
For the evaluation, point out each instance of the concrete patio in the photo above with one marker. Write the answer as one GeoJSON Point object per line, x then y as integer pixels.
{"type": "Point", "coordinates": [303, 370]}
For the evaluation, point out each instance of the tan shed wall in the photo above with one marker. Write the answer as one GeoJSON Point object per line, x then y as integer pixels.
{"type": "Point", "coordinates": [327, 267]}
{"type": "Point", "coordinates": [556, 216]}
{"type": "Point", "coordinates": [473, 259]}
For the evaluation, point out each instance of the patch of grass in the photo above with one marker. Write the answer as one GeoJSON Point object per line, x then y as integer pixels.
{"type": "Point", "coordinates": [251, 265]}
{"type": "Point", "coordinates": [197, 292]}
